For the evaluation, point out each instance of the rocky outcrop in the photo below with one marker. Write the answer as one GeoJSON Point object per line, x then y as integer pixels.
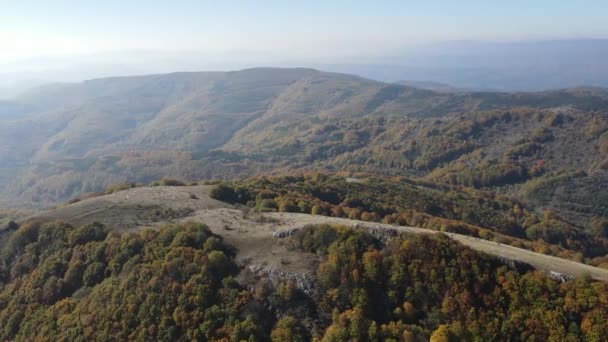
{"type": "Point", "coordinates": [379, 232]}
{"type": "Point", "coordinates": [560, 276]}
{"type": "Point", "coordinates": [303, 281]}
{"type": "Point", "coordinates": [285, 233]}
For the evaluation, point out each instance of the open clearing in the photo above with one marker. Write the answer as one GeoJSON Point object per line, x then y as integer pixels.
{"type": "Point", "coordinates": [252, 233]}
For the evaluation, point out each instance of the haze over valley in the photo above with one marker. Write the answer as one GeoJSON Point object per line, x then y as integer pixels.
{"type": "Point", "coordinates": [483, 65]}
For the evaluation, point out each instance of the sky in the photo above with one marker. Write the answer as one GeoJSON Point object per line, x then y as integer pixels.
{"type": "Point", "coordinates": [302, 29]}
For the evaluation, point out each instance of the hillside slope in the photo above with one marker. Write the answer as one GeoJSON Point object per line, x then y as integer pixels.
{"type": "Point", "coordinates": [548, 148]}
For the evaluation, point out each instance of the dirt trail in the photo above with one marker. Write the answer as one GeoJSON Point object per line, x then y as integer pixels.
{"type": "Point", "coordinates": [540, 261]}
{"type": "Point", "coordinates": [254, 235]}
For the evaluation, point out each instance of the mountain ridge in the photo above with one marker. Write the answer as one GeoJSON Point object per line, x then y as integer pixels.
{"type": "Point", "coordinates": [232, 124]}
{"type": "Point", "coordinates": [138, 208]}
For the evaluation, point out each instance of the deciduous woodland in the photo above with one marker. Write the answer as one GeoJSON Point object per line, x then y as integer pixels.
{"type": "Point", "coordinates": [179, 283]}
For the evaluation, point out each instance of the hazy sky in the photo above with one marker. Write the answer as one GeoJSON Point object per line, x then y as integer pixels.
{"type": "Point", "coordinates": [290, 28]}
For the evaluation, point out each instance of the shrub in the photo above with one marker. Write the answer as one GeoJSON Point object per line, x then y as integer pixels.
{"type": "Point", "coordinates": [168, 182]}
{"type": "Point", "coordinates": [288, 206]}
{"type": "Point", "coordinates": [93, 274]}
{"type": "Point", "coordinates": [224, 193]}
{"type": "Point", "coordinates": [87, 233]}
{"type": "Point", "coordinates": [318, 210]}
{"type": "Point", "coordinates": [266, 205]}
{"type": "Point", "coordinates": [119, 187]}
{"type": "Point", "coordinates": [599, 227]}
{"type": "Point", "coordinates": [304, 207]}
{"type": "Point", "coordinates": [288, 329]}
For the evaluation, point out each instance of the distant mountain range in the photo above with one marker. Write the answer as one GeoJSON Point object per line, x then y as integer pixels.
{"type": "Point", "coordinates": [58, 141]}
{"type": "Point", "coordinates": [469, 65]}
{"type": "Point", "coordinates": [491, 66]}
{"type": "Point", "coordinates": [429, 85]}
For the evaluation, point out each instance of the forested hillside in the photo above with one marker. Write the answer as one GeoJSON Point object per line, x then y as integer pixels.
{"type": "Point", "coordinates": [179, 283]}
{"type": "Point", "coordinates": [547, 149]}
